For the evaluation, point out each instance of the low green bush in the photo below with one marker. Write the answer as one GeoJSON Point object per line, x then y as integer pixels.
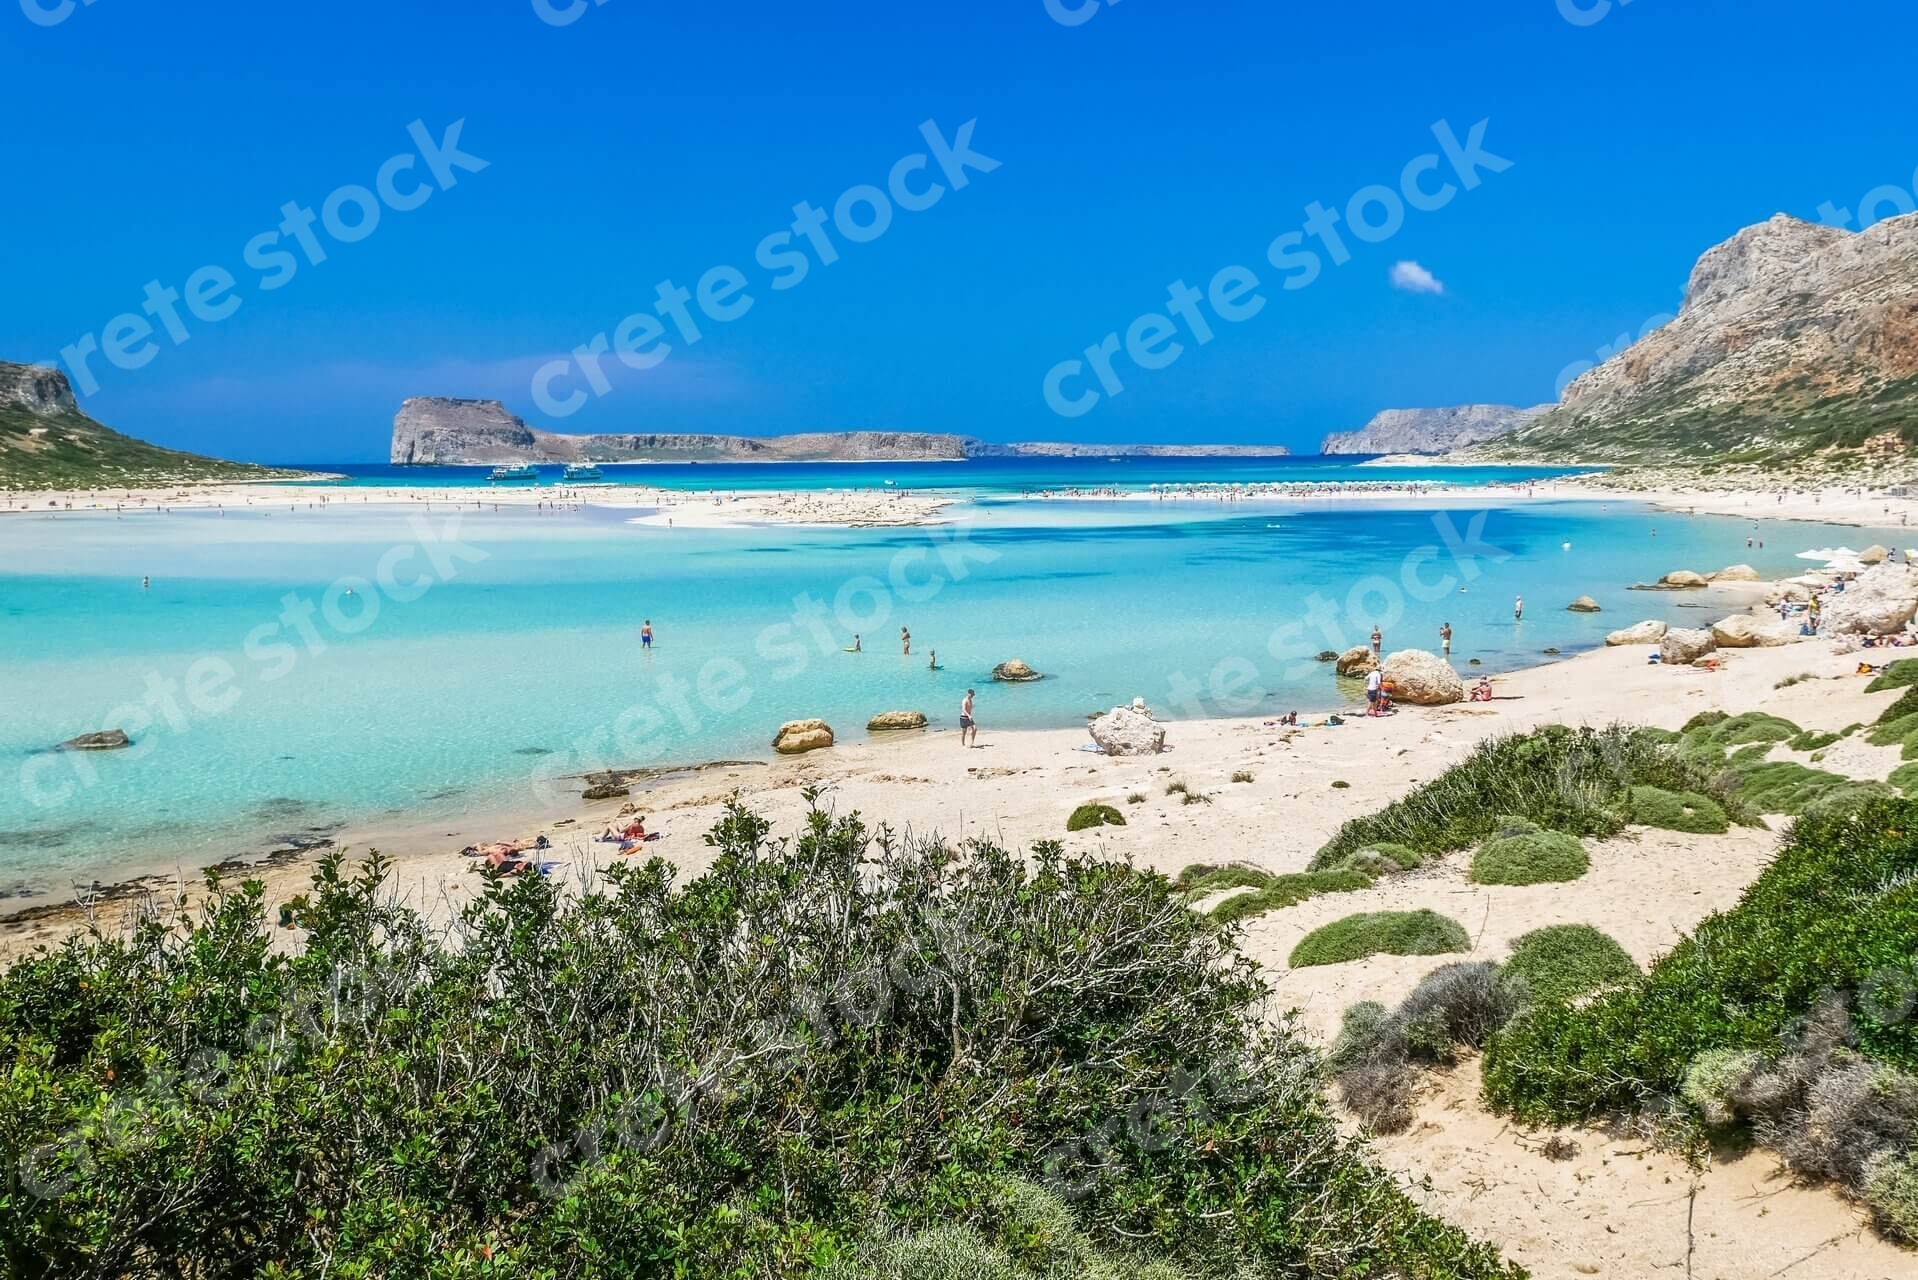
{"type": "Point", "coordinates": [1900, 674]}
{"type": "Point", "coordinates": [1811, 741]}
{"type": "Point", "coordinates": [1376, 1058]}
{"type": "Point", "coordinates": [1279, 892]}
{"type": "Point", "coordinates": [1905, 778]}
{"type": "Point", "coordinates": [819, 1043]}
{"type": "Point", "coordinates": [1785, 786]}
{"type": "Point", "coordinates": [1709, 736]}
{"type": "Point", "coordinates": [1565, 961]}
{"type": "Point", "coordinates": [1678, 811]}
{"type": "Point", "coordinates": [1094, 815]}
{"type": "Point", "coordinates": [1372, 933]}
{"type": "Point", "coordinates": [1532, 857]}
{"type": "Point", "coordinates": [1836, 910]}
{"type": "Point", "coordinates": [1572, 780]}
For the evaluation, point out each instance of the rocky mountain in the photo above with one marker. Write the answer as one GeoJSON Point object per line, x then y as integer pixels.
{"type": "Point", "coordinates": [48, 443]}
{"type": "Point", "coordinates": [1794, 340]}
{"type": "Point", "coordinates": [449, 432]}
{"type": "Point", "coordinates": [1430, 430]}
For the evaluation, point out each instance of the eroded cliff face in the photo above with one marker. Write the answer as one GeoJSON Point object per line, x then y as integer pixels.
{"type": "Point", "coordinates": [41, 392]}
{"type": "Point", "coordinates": [1793, 338]}
{"type": "Point", "coordinates": [436, 429]}
{"type": "Point", "coordinates": [1430, 430]}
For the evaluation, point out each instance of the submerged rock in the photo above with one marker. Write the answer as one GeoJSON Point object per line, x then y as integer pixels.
{"type": "Point", "coordinates": [1015, 671]}
{"type": "Point", "coordinates": [605, 787]}
{"type": "Point", "coordinates": [1328, 655]}
{"type": "Point", "coordinates": [1357, 661]}
{"type": "Point", "coordinates": [1584, 604]}
{"type": "Point", "coordinates": [105, 740]}
{"type": "Point", "coordinates": [797, 737]}
{"type": "Point", "coordinates": [1650, 631]}
{"type": "Point", "coordinates": [1423, 679]}
{"type": "Point", "coordinates": [1125, 732]}
{"type": "Point", "coordinates": [896, 721]}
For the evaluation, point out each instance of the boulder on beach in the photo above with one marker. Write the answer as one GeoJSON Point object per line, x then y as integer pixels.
{"type": "Point", "coordinates": [1793, 589]}
{"type": "Point", "coordinates": [1015, 671]}
{"type": "Point", "coordinates": [1737, 573]}
{"type": "Point", "coordinates": [1684, 580]}
{"type": "Point", "coordinates": [1682, 645]}
{"type": "Point", "coordinates": [1877, 602]}
{"type": "Point", "coordinates": [1423, 679]}
{"type": "Point", "coordinates": [605, 787]}
{"type": "Point", "coordinates": [1874, 554]}
{"type": "Point", "coordinates": [105, 740]}
{"type": "Point", "coordinates": [1125, 732]}
{"type": "Point", "coordinates": [896, 721]}
{"type": "Point", "coordinates": [1651, 631]}
{"type": "Point", "coordinates": [797, 737]}
{"type": "Point", "coordinates": [1357, 661]}
{"type": "Point", "coordinates": [1743, 631]}
{"type": "Point", "coordinates": [1584, 604]}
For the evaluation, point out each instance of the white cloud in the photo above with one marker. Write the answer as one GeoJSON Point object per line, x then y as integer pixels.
{"type": "Point", "coordinates": [1413, 278]}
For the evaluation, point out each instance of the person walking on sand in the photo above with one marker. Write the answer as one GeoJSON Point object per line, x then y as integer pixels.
{"type": "Point", "coordinates": [646, 634]}
{"type": "Point", "coordinates": [1373, 683]}
{"type": "Point", "coordinates": [968, 727]}
{"type": "Point", "coordinates": [1378, 642]}
{"type": "Point", "coordinates": [1518, 609]}
{"type": "Point", "coordinates": [1445, 638]}
{"type": "Point", "coordinates": [905, 641]}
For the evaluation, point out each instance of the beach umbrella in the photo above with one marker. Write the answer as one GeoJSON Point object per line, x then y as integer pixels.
{"type": "Point", "coordinates": [1829, 554]}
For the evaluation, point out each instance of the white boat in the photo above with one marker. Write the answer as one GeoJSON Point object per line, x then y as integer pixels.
{"type": "Point", "coordinates": [581, 471]}
{"type": "Point", "coordinates": [524, 471]}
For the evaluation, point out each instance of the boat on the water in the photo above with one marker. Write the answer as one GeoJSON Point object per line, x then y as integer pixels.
{"type": "Point", "coordinates": [582, 471]}
{"type": "Point", "coordinates": [503, 475]}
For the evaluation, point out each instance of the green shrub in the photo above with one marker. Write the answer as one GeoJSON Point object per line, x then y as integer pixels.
{"type": "Point", "coordinates": [820, 1041]}
{"type": "Point", "coordinates": [1905, 778]}
{"type": "Point", "coordinates": [1372, 933]}
{"type": "Point", "coordinates": [1708, 737]}
{"type": "Point", "coordinates": [1565, 961]}
{"type": "Point", "coordinates": [1572, 780]}
{"type": "Point", "coordinates": [1837, 910]}
{"type": "Point", "coordinates": [1785, 786]}
{"type": "Point", "coordinates": [1678, 811]}
{"type": "Point", "coordinates": [1906, 705]}
{"type": "Point", "coordinates": [1713, 1081]}
{"type": "Point", "coordinates": [1376, 1057]}
{"type": "Point", "coordinates": [1535, 857]}
{"type": "Point", "coordinates": [1382, 859]}
{"type": "Point", "coordinates": [1288, 891]}
{"type": "Point", "coordinates": [1891, 1190]}
{"type": "Point", "coordinates": [1094, 815]}
{"type": "Point", "coordinates": [1901, 674]}
{"type": "Point", "coordinates": [1202, 878]}
{"type": "Point", "coordinates": [1811, 741]}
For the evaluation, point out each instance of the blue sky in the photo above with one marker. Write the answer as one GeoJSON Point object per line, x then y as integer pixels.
{"type": "Point", "coordinates": [1155, 141]}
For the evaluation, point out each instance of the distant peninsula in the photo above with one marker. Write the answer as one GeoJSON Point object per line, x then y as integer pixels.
{"type": "Point", "coordinates": [440, 431]}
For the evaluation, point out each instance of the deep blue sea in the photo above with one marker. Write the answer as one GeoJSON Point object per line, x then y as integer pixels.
{"type": "Point", "coordinates": [266, 700]}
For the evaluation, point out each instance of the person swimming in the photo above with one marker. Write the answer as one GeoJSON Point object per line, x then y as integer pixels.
{"type": "Point", "coordinates": [855, 646]}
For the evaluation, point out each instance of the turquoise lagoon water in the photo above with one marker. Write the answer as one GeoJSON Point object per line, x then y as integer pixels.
{"type": "Point", "coordinates": [458, 700]}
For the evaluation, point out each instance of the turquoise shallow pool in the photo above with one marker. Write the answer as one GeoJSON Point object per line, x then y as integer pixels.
{"type": "Point", "coordinates": [527, 662]}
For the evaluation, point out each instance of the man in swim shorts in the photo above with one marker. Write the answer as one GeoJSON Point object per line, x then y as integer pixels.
{"type": "Point", "coordinates": [967, 726]}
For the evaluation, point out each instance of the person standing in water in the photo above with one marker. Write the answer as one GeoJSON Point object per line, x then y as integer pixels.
{"type": "Point", "coordinates": [1518, 609]}
{"type": "Point", "coordinates": [968, 727]}
{"type": "Point", "coordinates": [1378, 641]}
{"type": "Point", "coordinates": [932, 660]}
{"type": "Point", "coordinates": [905, 641]}
{"type": "Point", "coordinates": [1445, 638]}
{"type": "Point", "coordinates": [646, 635]}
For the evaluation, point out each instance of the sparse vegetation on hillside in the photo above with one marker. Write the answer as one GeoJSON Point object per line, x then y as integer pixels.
{"type": "Point", "coordinates": [1381, 933]}
{"type": "Point", "coordinates": [72, 451]}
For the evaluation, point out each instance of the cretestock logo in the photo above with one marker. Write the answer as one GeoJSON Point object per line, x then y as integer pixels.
{"type": "Point", "coordinates": [44, 15]}
{"type": "Point", "coordinates": [1586, 15]}
{"type": "Point", "coordinates": [554, 15]}
{"type": "Point", "coordinates": [1072, 13]}
{"type": "Point", "coordinates": [350, 214]}
{"type": "Point", "coordinates": [1373, 214]}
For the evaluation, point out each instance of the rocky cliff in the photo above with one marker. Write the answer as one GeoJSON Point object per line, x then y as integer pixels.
{"type": "Point", "coordinates": [1430, 430]}
{"type": "Point", "coordinates": [1794, 340]}
{"type": "Point", "coordinates": [46, 442]}
{"type": "Point", "coordinates": [449, 432]}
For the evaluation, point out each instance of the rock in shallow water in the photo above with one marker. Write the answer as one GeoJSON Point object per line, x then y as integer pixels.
{"type": "Point", "coordinates": [1015, 671]}
{"type": "Point", "coordinates": [797, 737]}
{"type": "Point", "coordinates": [105, 740]}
